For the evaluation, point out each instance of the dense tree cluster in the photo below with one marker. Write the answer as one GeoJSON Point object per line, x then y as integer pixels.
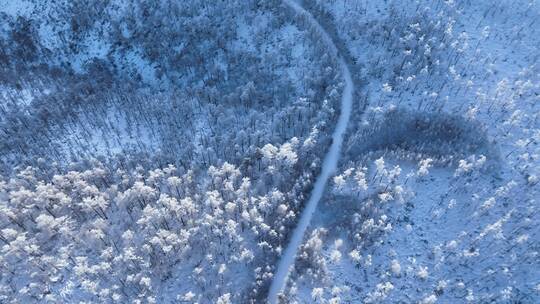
{"type": "Point", "coordinates": [156, 151]}
{"type": "Point", "coordinates": [136, 235]}
{"type": "Point", "coordinates": [204, 82]}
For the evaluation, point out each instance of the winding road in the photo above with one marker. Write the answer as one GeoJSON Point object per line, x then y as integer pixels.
{"type": "Point", "coordinates": [329, 164]}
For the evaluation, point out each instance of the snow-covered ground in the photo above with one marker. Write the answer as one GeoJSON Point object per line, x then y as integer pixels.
{"type": "Point", "coordinates": [292, 152]}
{"type": "Point", "coordinates": [16, 7]}
{"type": "Point", "coordinates": [461, 225]}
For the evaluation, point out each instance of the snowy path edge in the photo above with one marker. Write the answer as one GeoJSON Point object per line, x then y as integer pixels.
{"type": "Point", "coordinates": [328, 167]}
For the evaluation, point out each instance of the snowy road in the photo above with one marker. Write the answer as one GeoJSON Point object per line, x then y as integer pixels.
{"type": "Point", "coordinates": [329, 164]}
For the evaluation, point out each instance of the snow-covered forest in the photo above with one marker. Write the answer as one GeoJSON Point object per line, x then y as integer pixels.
{"type": "Point", "coordinates": [269, 151]}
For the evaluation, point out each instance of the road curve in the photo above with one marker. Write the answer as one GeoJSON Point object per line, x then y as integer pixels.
{"type": "Point", "coordinates": [329, 164]}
